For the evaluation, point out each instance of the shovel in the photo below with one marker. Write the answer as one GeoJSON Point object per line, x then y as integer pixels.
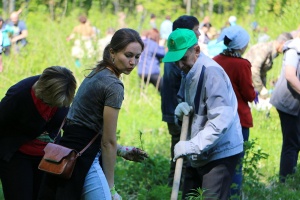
{"type": "Point", "coordinates": [179, 161]}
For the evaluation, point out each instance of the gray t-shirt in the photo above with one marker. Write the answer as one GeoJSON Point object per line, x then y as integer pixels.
{"type": "Point", "coordinates": [291, 58]}
{"type": "Point", "coordinates": [102, 89]}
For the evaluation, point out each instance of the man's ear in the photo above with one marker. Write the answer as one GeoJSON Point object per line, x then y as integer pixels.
{"type": "Point", "coordinates": [197, 49]}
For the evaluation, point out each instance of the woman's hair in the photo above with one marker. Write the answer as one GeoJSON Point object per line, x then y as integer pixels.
{"type": "Point", "coordinates": [227, 40]}
{"type": "Point", "coordinates": [153, 34]}
{"type": "Point", "coordinates": [185, 21]}
{"type": "Point", "coordinates": [119, 41]}
{"type": "Point", "coordinates": [56, 86]}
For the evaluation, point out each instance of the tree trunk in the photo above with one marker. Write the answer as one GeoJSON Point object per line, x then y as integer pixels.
{"type": "Point", "coordinates": [65, 9]}
{"type": "Point", "coordinates": [131, 6]}
{"type": "Point", "coordinates": [252, 6]}
{"type": "Point", "coordinates": [116, 6]}
{"type": "Point", "coordinates": [188, 7]}
{"type": "Point", "coordinates": [220, 5]}
{"type": "Point", "coordinates": [201, 9]}
{"type": "Point", "coordinates": [11, 6]}
{"type": "Point", "coordinates": [51, 8]}
{"type": "Point", "coordinates": [5, 9]}
{"type": "Point", "coordinates": [210, 7]}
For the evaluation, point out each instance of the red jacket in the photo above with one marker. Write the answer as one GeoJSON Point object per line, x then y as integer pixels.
{"type": "Point", "coordinates": [239, 72]}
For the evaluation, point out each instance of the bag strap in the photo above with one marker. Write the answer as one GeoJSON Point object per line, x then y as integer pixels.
{"type": "Point", "coordinates": [89, 144]}
{"type": "Point", "coordinates": [62, 124]}
{"type": "Point", "coordinates": [199, 88]}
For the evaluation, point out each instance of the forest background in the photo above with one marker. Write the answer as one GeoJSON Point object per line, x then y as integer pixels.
{"type": "Point", "coordinates": [140, 124]}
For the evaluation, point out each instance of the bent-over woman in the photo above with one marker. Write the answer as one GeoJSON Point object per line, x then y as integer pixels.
{"type": "Point", "coordinates": [30, 115]}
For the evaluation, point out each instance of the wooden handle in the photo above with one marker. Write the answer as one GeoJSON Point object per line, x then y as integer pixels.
{"type": "Point", "coordinates": [179, 161]}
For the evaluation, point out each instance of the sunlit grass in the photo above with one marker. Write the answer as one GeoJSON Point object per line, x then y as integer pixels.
{"type": "Point", "coordinates": [140, 121]}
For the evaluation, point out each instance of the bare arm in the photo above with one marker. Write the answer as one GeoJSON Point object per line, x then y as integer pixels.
{"type": "Point", "coordinates": [290, 75]}
{"type": "Point", "coordinates": [109, 143]}
{"type": "Point", "coordinates": [23, 35]}
{"type": "Point", "coordinates": [72, 35]}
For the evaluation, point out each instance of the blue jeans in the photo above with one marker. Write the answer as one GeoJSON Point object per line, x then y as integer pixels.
{"type": "Point", "coordinates": [95, 184]}
{"type": "Point", "coordinates": [237, 179]}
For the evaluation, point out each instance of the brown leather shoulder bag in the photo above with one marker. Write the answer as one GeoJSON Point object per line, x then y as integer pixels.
{"type": "Point", "coordinates": [59, 160]}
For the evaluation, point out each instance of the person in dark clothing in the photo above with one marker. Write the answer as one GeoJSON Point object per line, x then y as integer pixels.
{"type": "Point", "coordinates": [30, 116]}
{"type": "Point", "coordinates": [170, 87]}
{"type": "Point", "coordinates": [286, 100]}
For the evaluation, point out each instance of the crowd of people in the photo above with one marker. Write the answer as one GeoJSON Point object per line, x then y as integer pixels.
{"type": "Point", "coordinates": [212, 148]}
{"type": "Point", "coordinates": [208, 75]}
{"type": "Point", "coordinates": [13, 35]}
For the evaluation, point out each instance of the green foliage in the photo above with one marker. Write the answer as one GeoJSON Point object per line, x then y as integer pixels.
{"type": "Point", "coordinates": [251, 165]}
{"type": "Point", "coordinates": [199, 194]}
{"type": "Point", "coordinates": [276, 190]}
{"type": "Point", "coordinates": [146, 180]}
{"type": "Point", "coordinates": [1, 193]}
{"type": "Point", "coordinates": [159, 192]}
{"type": "Point", "coordinates": [140, 117]}
{"type": "Point", "coordinates": [162, 8]}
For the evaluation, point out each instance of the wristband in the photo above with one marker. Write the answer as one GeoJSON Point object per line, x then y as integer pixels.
{"type": "Point", "coordinates": [113, 190]}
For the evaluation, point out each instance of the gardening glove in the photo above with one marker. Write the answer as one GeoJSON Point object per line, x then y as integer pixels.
{"type": "Point", "coordinates": [114, 194]}
{"type": "Point", "coordinates": [183, 148]}
{"type": "Point", "coordinates": [264, 93]}
{"type": "Point", "coordinates": [132, 153]}
{"type": "Point", "coordinates": [182, 109]}
{"type": "Point", "coordinates": [256, 98]}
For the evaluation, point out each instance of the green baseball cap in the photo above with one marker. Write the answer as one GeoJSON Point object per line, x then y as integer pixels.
{"type": "Point", "coordinates": [179, 42]}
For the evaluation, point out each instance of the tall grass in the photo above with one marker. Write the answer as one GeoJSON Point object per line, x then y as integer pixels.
{"type": "Point", "coordinates": [140, 121]}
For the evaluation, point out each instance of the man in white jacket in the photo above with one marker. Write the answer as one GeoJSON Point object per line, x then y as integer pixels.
{"type": "Point", "coordinates": [215, 139]}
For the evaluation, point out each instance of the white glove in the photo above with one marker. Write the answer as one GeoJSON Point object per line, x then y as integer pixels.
{"type": "Point", "coordinates": [114, 194]}
{"type": "Point", "coordinates": [264, 93]}
{"type": "Point", "coordinates": [183, 148]}
{"type": "Point", "coordinates": [182, 109]}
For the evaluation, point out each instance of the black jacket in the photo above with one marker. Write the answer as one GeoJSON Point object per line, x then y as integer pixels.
{"type": "Point", "coordinates": [20, 121]}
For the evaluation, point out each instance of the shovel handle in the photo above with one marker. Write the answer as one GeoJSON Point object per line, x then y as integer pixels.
{"type": "Point", "coordinates": [179, 161]}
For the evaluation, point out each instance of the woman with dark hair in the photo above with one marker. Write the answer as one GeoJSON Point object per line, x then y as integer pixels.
{"type": "Point", "coordinates": [95, 109]}
{"type": "Point", "coordinates": [30, 116]}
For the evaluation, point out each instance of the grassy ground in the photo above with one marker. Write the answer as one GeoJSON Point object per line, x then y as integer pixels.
{"type": "Point", "coordinates": [140, 117]}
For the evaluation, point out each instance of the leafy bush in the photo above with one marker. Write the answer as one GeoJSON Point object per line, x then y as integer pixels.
{"type": "Point", "coordinates": [140, 117]}
{"type": "Point", "coordinates": [251, 163]}
{"type": "Point", "coordinates": [143, 180]}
